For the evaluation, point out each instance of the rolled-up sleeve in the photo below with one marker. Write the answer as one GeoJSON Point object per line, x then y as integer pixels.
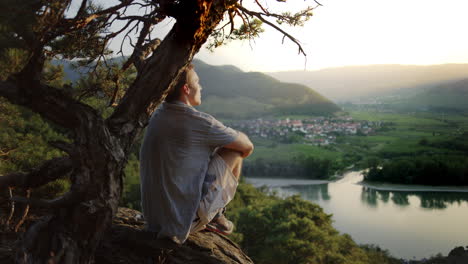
{"type": "Point", "coordinates": [219, 134]}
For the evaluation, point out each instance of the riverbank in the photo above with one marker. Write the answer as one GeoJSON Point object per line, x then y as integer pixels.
{"type": "Point", "coordinates": [281, 182]}
{"type": "Point", "coordinates": [390, 217]}
{"type": "Point", "coordinates": [415, 188]}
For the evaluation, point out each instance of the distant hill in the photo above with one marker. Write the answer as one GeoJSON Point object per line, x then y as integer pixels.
{"type": "Point", "coordinates": [354, 82]}
{"type": "Point", "coordinates": [229, 92]}
{"type": "Point", "coordinates": [447, 97]}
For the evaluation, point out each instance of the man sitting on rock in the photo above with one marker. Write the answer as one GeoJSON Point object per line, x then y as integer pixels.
{"type": "Point", "coordinates": [190, 164]}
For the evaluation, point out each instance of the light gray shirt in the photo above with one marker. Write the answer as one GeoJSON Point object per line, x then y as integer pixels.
{"type": "Point", "coordinates": [174, 159]}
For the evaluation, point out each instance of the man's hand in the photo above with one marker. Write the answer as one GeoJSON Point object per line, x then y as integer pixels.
{"type": "Point", "coordinates": [242, 144]}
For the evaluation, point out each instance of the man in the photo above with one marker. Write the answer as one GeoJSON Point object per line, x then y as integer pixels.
{"type": "Point", "coordinates": [190, 164]}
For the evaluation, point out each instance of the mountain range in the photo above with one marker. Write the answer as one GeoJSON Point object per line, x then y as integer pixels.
{"type": "Point", "coordinates": [352, 83]}
{"type": "Point", "coordinates": [229, 92]}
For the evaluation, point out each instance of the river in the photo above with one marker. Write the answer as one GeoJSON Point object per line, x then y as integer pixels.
{"type": "Point", "coordinates": [414, 223]}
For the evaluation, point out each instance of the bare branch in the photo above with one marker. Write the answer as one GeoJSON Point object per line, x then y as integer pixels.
{"type": "Point", "coordinates": [82, 9]}
{"type": "Point", "coordinates": [49, 171]}
{"type": "Point", "coordinates": [243, 17]}
{"type": "Point", "coordinates": [260, 16]}
{"type": "Point", "coordinates": [231, 20]}
{"type": "Point", "coordinates": [12, 208]}
{"type": "Point", "coordinates": [25, 212]}
{"type": "Point", "coordinates": [140, 54]}
{"type": "Point", "coordinates": [115, 92]}
{"type": "Point", "coordinates": [3, 153]}
{"type": "Point", "coordinates": [261, 7]}
{"type": "Point", "coordinates": [114, 34]}
{"type": "Point", "coordinates": [78, 23]}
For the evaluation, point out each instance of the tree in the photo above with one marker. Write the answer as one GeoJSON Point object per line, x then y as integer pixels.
{"type": "Point", "coordinates": [97, 148]}
{"type": "Point", "coordinates": [294, 231]}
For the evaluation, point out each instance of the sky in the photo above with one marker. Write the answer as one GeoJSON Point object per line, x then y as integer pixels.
{"type": "Point", "coordinates": [353, 32]}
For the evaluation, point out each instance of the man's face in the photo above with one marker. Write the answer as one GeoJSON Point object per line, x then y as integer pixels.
{"type": "Point", "coordinates": [195, 88]}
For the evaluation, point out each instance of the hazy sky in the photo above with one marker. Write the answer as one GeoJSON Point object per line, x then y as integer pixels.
{"type": "Point", "coordinates": [356, 32]}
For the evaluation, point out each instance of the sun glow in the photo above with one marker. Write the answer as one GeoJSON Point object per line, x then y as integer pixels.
{"type": "Point", "coordinates": [359, 32]}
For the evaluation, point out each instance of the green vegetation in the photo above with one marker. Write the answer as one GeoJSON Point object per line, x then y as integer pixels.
{"type": "Point", "coordinates": [414, 148]}
{"type": "Point", "coordinates": [300, 166]}
{"type": "Point", "coordinates": [400, 136]}
{"type": "Point", "coordinates": [273, 159]}
{"type": "Point", "coordinates": [235, 107]}
{"type": "Point", "coordinates": [446, 170]}
{"type": "Point", "coordinates": [291, 230]}
{"type": "Point", "coordinates": [24, 135]}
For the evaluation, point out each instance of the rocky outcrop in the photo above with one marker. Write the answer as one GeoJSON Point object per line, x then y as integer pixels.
{"type": "Point", "coordinates": [127, 242]}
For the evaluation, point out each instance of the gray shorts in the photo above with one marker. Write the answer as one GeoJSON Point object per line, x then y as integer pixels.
{"type": "Point", "coordinates": [219, 189]}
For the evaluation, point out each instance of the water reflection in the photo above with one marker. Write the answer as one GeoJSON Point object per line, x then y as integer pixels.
{"type": "Point", "coordinates": [369, 197]}
{"type": "Point", "coordinates": [427, 222]}
{"type": "Point", "coordinates": [312, 192]}
{"type": "Point", "coordinates": [428, 200]}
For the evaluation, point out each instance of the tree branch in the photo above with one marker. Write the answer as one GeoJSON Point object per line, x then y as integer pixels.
{"type": "Point", "coordinates": [139, 55]}
{"type": "Point", "coordinates": [70, 198]}
{"type": "Point", "coordinates": [82, 9]}
{"type": "Point", "coordinates": [260, 16]}
{"type": "Point", "coordinates": [79, 22]}
{"type": "Point", "coordinates": [51, 103]}
{"type": "Point", "coordinates": [12, 209]}
{"type": "Point", "coordinates": [3, 153]}
{"type": "Point", "coordinates": [63, 146]}
{"type": "Point", "coordinates": [25, 212]}
{"type": "Point", "coordinates": [49, 171]}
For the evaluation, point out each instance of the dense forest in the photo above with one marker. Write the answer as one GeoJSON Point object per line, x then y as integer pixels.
{"type": "Point", "coordinates": [423, 170]}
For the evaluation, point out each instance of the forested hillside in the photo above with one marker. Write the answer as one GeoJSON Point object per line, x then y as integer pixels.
{"type": "Point", "coordinates": [230, 92]}
{"type": "Point", "coordinates": [449, 97]}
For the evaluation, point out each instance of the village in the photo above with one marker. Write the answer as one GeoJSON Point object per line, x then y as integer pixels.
{"type": "Point", "coordinates": [319, 131]}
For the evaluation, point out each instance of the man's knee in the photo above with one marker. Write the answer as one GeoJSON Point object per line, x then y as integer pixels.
{"type": "Point", "coordinates": [231, 157]}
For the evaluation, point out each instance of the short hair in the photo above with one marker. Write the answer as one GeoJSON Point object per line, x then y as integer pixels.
{"type": "Point", "coordinates": [176, 90]}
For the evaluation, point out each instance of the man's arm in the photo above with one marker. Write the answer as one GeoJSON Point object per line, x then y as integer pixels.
{"type": "Point", "coordinates": [242, 144]}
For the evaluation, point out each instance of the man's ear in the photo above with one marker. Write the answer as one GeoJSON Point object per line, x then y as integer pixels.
{"type": "Point", "coordinates": [186, 89]}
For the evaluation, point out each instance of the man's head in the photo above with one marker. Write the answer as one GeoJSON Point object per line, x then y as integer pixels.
{"type": "Point", "coordinates": [187, 88]}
